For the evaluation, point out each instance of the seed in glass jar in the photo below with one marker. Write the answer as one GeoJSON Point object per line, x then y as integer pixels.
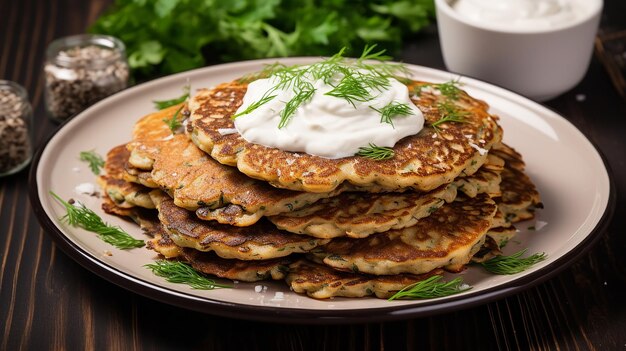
{"type": "Point", "coordinates": [15, 146]}
{"type": "Point", "coordinates": [89, 74]}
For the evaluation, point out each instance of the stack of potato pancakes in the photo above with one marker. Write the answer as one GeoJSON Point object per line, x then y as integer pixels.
{"type": "Point", "coordinates": [350, 227]}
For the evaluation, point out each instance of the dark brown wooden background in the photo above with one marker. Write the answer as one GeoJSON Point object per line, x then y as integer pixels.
{"type": "Point", "coordinates": [47, 301]}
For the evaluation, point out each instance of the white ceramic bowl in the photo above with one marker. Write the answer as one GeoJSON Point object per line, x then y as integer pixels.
{"type": "Point", "coordinates": [536, 62]}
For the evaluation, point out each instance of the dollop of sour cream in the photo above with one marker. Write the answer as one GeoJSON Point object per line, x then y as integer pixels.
{"type": "Point", "coordinates": [521, 14]}
{"type": "Point", "coordinates": [326, 126]}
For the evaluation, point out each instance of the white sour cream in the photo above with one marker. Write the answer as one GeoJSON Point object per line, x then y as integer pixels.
{"type": "Point", "coordinates": [326, 126]}
{"type": "Point", "coordinates": [522, 14]}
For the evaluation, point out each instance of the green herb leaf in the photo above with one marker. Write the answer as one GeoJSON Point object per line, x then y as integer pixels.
{"type": "Point", "coordinates": [431, 288]}
{"type": "Point", "coordinates": [163, 104]}
{"type": "Point", "coordinates": [358, 81]}
{"type": "Point", "coordinates": [253, 29]}
{"type": "Point", "coordinates": [253, 106]}
{"type": "Point", "coordinates": [376, 152]}
{"type": "Point", "coordinates": [449, 113]}
{"type": "Point", "coordinates": [81, 216]}
{"type": "Point", "coordinates": [181, 273]}
{"type": "Point", "coordinates": [450, 89]}
{"type": "Point", "coordinates": [393, 109]}
{"type": "Point", "coordinates": [512, 264]}
{"type": "Point", "coordinates": [95, 160]}
{"type": "Point", "coordinates": [173, 123]}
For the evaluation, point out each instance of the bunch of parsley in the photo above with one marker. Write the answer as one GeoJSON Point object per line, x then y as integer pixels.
{"type": "Point", "coordinates": [168, 36]}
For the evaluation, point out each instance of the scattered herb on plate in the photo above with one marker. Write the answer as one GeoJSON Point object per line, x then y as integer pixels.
{"type": "Point", "coordinates": [431, 288]}
{"type": "Point", "coordinates": [163, 104]}
{"type": "Point", "coordinates": [77, 215]}
{"type": "Point", "coordinates": [181, 273]}
{"type": "Point", "coordinates": [94, 160]}
{"type": "Point", "coordinates": [512, 264]}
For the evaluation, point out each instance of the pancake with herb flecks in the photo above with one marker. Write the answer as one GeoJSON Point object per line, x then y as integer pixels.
{"type": "Point", "coordinates": [447, 238]}
{"type": "Point", "coordinates": [520, 197]}
{"type": "Point", "coordinates": [322, 282]}
{"type": "Point", "coordinates": [358, 215]}
{"type": "Point", "coordinates": [258, 242]}
{"type": "Point", "coordinates": [123, 193]}
{"type": "Point", "coordinates": [197, 182]}
{"type": "Point", "coordinates": [435, 156]}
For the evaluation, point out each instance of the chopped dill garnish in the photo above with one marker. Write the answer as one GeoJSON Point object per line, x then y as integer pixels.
{"type": "Point", "coordinates": [173, 123]}
{"type": "Point", "coordinates": [94, 159]}
{"type": "Point", "coordinates": [512, 264]}
{"type": "Point", "coordinates": [81, 216]}
{"type": "Point", "coordinates": [181, 273]}
{"type": "Point", "coordinates": [450, 89]}
{"type": "Point", "coordinates": [504, 242]}
{"type": "Point", "coordinates": [431, 288]}
{"type": "Point", "coordinates": [449, 113]}
{"type": "Point", "coordinates": [163, 104]}
{"type": "Point", "coordinates": [393, 109]}
{"type": "Point", "coordinates": [354, 81]}
{"type": "Point", "coordinates": [265, 99]}
{"type": "Point", "coordinates": [374, 152]}
{"type": "Point", "coordinates": [304, 93]}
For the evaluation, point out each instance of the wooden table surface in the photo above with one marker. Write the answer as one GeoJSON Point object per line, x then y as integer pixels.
{"type": "Point", "coordinates": [48, 301]}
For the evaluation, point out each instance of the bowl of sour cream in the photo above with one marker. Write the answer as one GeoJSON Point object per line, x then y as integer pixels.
{"type": "Point", "coordinates": [538, 48]}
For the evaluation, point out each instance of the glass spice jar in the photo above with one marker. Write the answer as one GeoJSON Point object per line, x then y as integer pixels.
{"type": "Point", "coordinates": [81, 70]}
{"type": "Point", "coordinates": [16, 128]}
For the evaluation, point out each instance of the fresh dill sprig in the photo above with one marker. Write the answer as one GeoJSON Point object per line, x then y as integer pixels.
{"type": "Point", "coordinates": [393, 109]}
{"type": "Point", "coordinates": [81, 216]}
{"type": "Point", "coordinates": [304, 94]}
{"type": "Point", "coordinates": [431, 288]}
{"type": "Point", "coordinates": [181, 273]}
{"type": "Point", "coordinates": [512, 264]}
{"type": "Point", "coordinates": [163, 104]}
{"type": "Point", "coordinates": [374, 152]}
{"type": "Point", "coordinates": [351, 88]}
{"type": "Point", "coordinates": [352, 80]}
{"type": "Point", "coordinates": [368, 55]}
{"type": "Point", "coordinates": [253, 106]}
{"type": "Point", "coordinates": [94, 159]}
{"type": "Point", "coordinates": [450, 89]}
{"type": "Point", "coordinates": [173, 123]}
{"type": "Point", "coordinates": [448, 113]}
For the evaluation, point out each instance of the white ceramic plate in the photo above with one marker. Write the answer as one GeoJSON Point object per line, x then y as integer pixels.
{"type": "Point", "coordinates": [567, 169]}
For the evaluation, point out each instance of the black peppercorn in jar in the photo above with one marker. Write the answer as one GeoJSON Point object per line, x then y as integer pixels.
{"type": "Point", "coordinates": [82, 69]}
{"type": "Point", "coordinates": [16, 120]}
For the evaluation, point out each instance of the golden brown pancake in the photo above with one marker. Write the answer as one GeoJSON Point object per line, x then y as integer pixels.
{"type": "Point", "coordinates": [447, 238]}
{"type": "Point", "coordinates": [423, 161]}
{"type": "Point", "coordinates": [197, 182]}
{"type": "Point", "coordinates": [204, 262]}
{"type": "Point", "coordinates": [123, 193]}
{"type": "Point", "coordinates": [519, 197]}
{"type": "Point", "coordinates": [258, 242]}
{"type": "Point", "coordinates": [357, 215]}
{"type": "Point", "coordinates": [246, 271]}
{"type": "Point", "coordinates": [322, 282]}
